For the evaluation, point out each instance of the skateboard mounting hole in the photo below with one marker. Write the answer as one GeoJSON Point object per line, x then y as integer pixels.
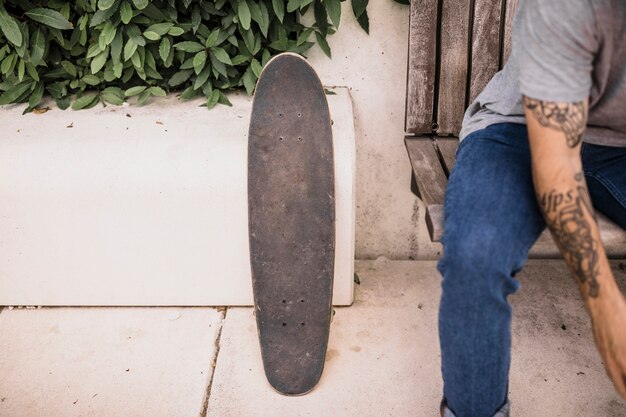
{"type": "Point", "coordinates": [302, 324]}
{"type": "Point", "coordinates": [280, 115]}
{"type": "Point", "coordinates": [284, 301]}
{"type": "Point", "coordinates": [280, 138]}
{"type": "Point", "coordinates": [300, 138]}
{"type": "Point", "coordinates": [299, 114]}
{"type": "Point", "coordinates": [284, 324]}
{"type": "Point", "coordinates": [302, 301]}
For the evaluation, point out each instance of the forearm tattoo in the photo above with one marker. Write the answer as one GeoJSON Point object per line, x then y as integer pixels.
{"type": "Point", "coordinates": [570, 218]}
{"type": "Point", "coordinates": [569, 118]}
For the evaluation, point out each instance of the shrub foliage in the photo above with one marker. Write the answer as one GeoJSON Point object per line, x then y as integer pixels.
{"type": "Point", "coordinates": [110, 50]}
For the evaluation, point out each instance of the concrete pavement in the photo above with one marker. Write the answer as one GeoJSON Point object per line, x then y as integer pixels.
{"type": "Point", "coordinates": [383, 357]}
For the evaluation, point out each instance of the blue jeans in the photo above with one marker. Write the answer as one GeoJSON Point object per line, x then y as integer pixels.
{"type": "Point", "coordinates": [491, 221]}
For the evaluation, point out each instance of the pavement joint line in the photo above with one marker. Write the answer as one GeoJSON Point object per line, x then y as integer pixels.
{"type": "Point", "coordinates": [207, 395]}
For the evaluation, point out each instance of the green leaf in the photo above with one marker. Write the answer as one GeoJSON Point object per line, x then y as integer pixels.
{"type": "Point", "coordinates": [98, 62]}
{"type": "Point", "coordinates": [129, 49]}
{"type": "Point", "coordinates": [293, 5]}
{"type": "Point", "coordinates": [224, 100]}
{"type": "Point", "coordinates": [202, 78]}
{"type": "Point", "coordinates": [21, 70]}
{"type": "Point", "coordinates": [116, 48]}
{"type": "Point", "coordinates": [37, 47]}
{"type": "Point", "coordinates": [9, 27]}
{"type": "Point", "coordinates": [85, 102]}
{"type": "Point", "coordinates": [359, 7]}
{"type": "Point", "coordinates": [333, 7]}
{"type": "Point", "coordinates": [188, 94]}
{"type": "Point", "coordinates": [211, 40]}
{"type": "Point", "coordinates": [126, 12]}
{"type": "Point", "coordinates": [107, 35]}
{"type": "Point", "coordinates": [57, 90]}
{"type": "Point", "coordinates": [14, 93]}
{"type": "Point", "coordinates": [199, 61]}
{"type": "Point", "coordinates": [323, 44]}
{"type": "Point", "coordinates": [133, 91]}
{"type": "Point", "coordinates": [256, 67]}
{"type": "Point", "coordinates": [165, 48]}
{"type": "Point", "coordinates": [32, 71]}
{"type": "Point", "coordinates": [249, 80]}
{"type": "Point", "coordinates": [35, 98]}
{"type": "Point", "coordinates": [243, 12]}
{"type": "Point", "coordinates": [321, 17]}
{"type": "Point", "coordinates": [143, 98]}
{"type": "Point", "coordinates": [105, 4]}
{"type": "Point", "coordinates": [91, 80]}
{"type": "Point", "coordinates": [141, 4]}
{"type": "Point", "coordinates": [63, 103]}
{"type": "Point", "coordinates": [153, 36]}
{"type": "Point", "coordinates": [364, 21]}
{"type": "Point", "coordinates": [279, 9]}
{"type": "Point", "coordinates": [180, 77]}
{"type": "Point", "coordinates": [264, 22]}
{"type": "Point", "coordinates": [101, 16]}
{"type": "Point", "coordinates": [221, 55]}
{"type": "Point", "coordinates": [50, 18]}
{"type": "Point", "coordinates": [160, 28]}
{"type": "Point", "coordinates": [157, 91]}
{"type": "Point", "coordinates": [8, 64]}
{"type": "Point", "coordinates": [113, 95]}
{"type": "Point", "coordinates": [69, 68]}
{"type": "Point", "coordinates": [176, 31]}
{"type": "Point", "coordinates": [189, 46]}
{"type": "Point", "coordinates": [213, 99]}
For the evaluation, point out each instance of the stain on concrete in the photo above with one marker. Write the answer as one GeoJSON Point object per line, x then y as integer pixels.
{"type": "Point", "coordinates": [331, 354]}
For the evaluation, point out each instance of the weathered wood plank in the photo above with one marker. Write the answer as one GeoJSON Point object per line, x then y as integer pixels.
{"type": "Point", "coordinates": [447, 148]}
{"type": "Point", "coordinates": [613, 237]}
{"type": "Point", "coordinates": [429, 174]}
{"type": "Point", "coordinates": [421, 68]}
{"type": "Point", "coordinates": [511, 8]}
{"type": "Point", "coordinates": [455, 15]}
{"type": "Point", "coordinates": [434, 221]}
{"type": "Point", "coordinates": [485, 44]}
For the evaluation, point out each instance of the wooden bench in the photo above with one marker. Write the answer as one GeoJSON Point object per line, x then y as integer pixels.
{"type": "Point", "coordinates": [455, 48]}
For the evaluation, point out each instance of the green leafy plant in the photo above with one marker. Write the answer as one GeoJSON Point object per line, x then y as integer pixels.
{"type": "Point", "coordinates": [110, 50]}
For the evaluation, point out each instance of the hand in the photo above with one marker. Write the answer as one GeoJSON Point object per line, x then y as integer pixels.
{"type": "Point", "coordinates": [609, 328]}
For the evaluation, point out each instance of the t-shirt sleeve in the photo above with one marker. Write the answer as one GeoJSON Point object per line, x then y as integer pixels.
{"type": "Point", "coordinates": [554, 44]}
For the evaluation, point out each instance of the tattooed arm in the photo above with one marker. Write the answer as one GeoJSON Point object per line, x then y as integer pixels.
{"type": "Point", "coordinates": [555, 136]}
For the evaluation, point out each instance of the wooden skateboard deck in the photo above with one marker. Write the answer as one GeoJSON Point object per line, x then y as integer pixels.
{"type": "Point", "coordinates": [291, 209]}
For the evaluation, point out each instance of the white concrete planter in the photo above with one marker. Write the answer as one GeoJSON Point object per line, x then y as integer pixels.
{"type": "Point", "coordinates": [141, 205]}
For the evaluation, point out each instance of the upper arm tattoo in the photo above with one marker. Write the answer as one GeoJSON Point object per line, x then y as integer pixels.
{"type": "Point", "coordinates": [569, 118]}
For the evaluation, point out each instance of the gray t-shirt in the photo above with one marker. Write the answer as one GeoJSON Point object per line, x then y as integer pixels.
{"type": "Point", "coordinates": [563, 50]}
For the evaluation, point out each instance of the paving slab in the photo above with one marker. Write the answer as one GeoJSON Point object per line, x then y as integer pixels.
{"type": "Point", "coordinates": [383, 357]}
{"type": "Point", "coordinates": [130, 362]}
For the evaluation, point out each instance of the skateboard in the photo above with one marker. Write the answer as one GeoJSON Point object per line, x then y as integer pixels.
{"type": "Point", "coordinates": [291, 221]}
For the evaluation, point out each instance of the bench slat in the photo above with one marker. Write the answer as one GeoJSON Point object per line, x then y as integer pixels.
{"type": "Point", "coordinates": [613, 237]}
{"type": "Point", "coordinates": [447, 149]}
{"type": "Point", "coordinates": [421, 70]}
{"type": "Point", "coordinates": [455, 15]}
{"type": "Point", "coordinates": [511, 8]}
{"type": "Point", "coordinates": [429, 174]}
{"type": "Point", "coordinates": [485, 44]}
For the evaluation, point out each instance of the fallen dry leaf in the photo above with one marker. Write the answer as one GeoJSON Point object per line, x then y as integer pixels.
{"type": "Point", "coordinates": [159, 122]}
{"type": "Point", "coordinates": [40, 110]}
{"type": "Point", "coordinates": [71, 125]}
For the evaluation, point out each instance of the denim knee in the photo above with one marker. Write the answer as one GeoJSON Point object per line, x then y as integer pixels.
{"type": "Point", "coordinates": [472, 268]}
